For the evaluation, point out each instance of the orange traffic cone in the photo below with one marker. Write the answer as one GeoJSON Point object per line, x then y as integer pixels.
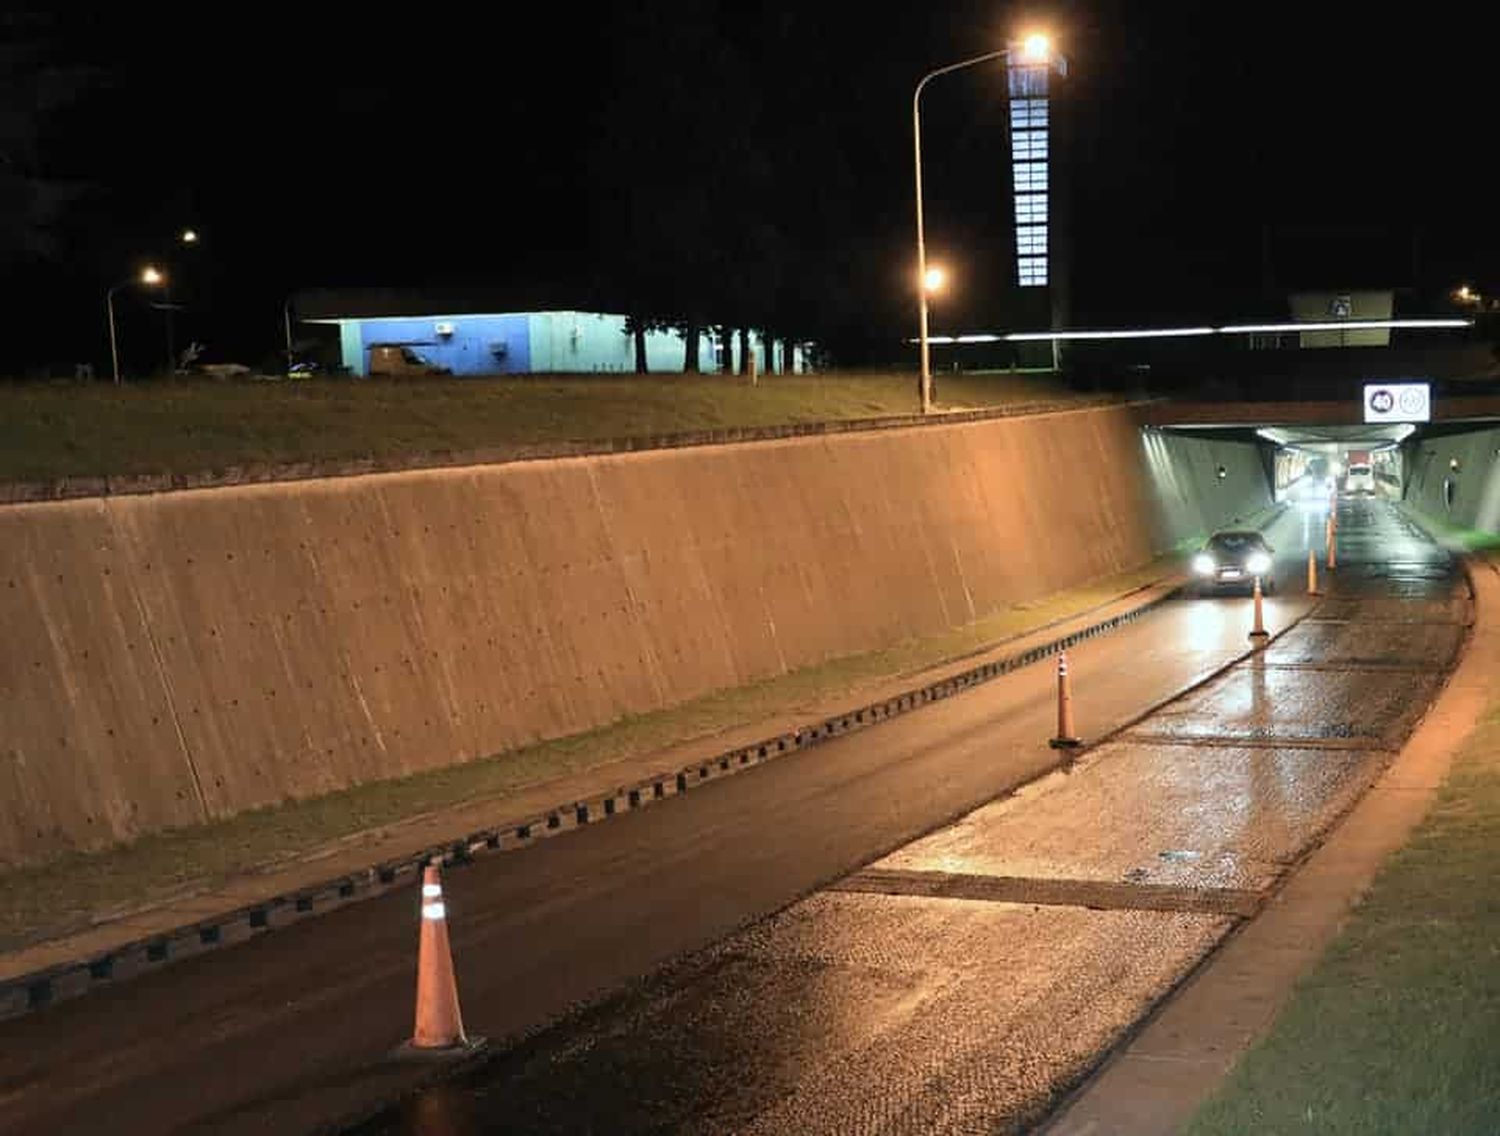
{"type": "Point", "coordinates": [439, 1025]}
{"type": "Point", "coordinates": [1066, 737]}
{"type": "Point", "coordinates": [1312, 573]}
{"type": "Point", "coordinates": [1333, 545]}
{"type": "Point", "coordinates": [1259, 630]}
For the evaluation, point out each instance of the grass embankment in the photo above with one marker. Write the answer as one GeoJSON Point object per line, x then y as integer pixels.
{"type": "Point", "coordinates": [1397, 1029]}
{"type": "Point", "coordinates": [68, 892]}
{"type": "Point", "coordinates": [78, 430]}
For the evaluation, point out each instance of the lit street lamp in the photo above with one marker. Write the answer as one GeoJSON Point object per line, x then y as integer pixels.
{"type": "Point", "coordinates": [150, 277]}
{"type": "Point", "coordinates": [186, 237]}
{"type": "Point", "coordinates": [1034, 48]}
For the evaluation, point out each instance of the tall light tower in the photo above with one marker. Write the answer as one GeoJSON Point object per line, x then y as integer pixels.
{"type": "Point", "coordinates": [1034, 183]}
{"type": "Point", "coordinates": [1024, 59]}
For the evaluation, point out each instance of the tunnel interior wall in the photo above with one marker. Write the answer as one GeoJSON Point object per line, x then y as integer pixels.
{"type": "Point", "coordinates": [1204, 483]}
{"type": "Point", "coordinates": [1468, 495]}
{"type": "Point", "coordinates": [178, 657]}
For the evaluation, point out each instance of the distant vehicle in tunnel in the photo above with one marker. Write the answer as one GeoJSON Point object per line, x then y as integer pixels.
{"type": "Point", "coordinates": [1233, 558]}
{"type": "Point", "coordinates": [1359, 479]}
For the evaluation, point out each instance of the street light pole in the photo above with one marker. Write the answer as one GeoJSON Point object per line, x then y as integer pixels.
{"type": "Point", "coordinates": [186, 237]}
{"type": "Point", "coordinates": [286, 315]}
{"type": "Point", "coordinates": [924, 348]}
{"type": "Point", "coordinates": [1034, 48]}
{"type": "Point", "coordinates": [148, 276]}
{"type": "Point", "coordinates": [114, 347]}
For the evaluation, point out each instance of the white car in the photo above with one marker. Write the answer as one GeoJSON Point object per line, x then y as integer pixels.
{"type": "Point", "coordinates": [1359, 479]}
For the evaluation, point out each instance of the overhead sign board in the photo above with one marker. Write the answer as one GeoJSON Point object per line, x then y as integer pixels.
{"type": "Point", "coordinates": [1398, 402]}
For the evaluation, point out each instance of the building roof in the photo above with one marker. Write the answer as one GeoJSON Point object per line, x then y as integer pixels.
{"type": "Point", "coordinates": [373, 303]}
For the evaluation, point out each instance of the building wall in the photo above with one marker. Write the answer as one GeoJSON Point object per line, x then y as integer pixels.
{"type": "Point", "coordinates": [564, 342]}
{"type": "Point", "coordinates": [1320, 307]}
{"type": "Point", "coordinates": [177, 657]}
{"type": "Point", "coordinates": [585, 342]}
{"type": "Point", "coordinates": [466, 352]}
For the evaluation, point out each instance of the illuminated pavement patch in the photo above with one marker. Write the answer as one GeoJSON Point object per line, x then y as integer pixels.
{"type": "Point", "coordinates": [1215, 817]}
{"type": "Point", "coordinates": [825, 1019]}
{"type": "Point", "coordinates": [1441, 608]}
{"type": "Point", "coordinates": [1318, 642]}
{"type": "Point", "coordinates": [1362, 709]}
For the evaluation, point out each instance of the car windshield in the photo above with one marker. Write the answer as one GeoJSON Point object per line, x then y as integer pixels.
{"type": "Point", "coordinates": [1235, 542]}
{"type": "Point", "coordinates": [1357, 470]}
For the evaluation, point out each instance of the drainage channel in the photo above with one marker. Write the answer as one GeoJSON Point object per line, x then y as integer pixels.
{"type": "Point", "coordinates": [1097, 895]}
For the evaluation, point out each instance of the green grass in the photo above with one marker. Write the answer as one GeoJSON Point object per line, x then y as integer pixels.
{"type": "Point", "coordinates": [1397, 1030]}
{"type": "Point", "coordinates": [78, 430]}
{"type": "Point", "coordinates": [65, 893]}
{"type": "Point", "coordinates": [1470, 540]}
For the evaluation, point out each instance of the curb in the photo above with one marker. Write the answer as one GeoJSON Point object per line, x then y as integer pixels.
{"type": "Point", "coordinates": [36, 990]}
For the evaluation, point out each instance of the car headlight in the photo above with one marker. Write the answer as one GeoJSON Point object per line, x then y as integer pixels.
{"type": "Point", "coordinates": [1259, 564]}
{"type": "Point", "coordinates": [1203, 564]}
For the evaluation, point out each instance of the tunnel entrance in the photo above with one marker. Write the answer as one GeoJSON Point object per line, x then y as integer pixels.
{"type": "Point", "coordinates": [1312, 465]}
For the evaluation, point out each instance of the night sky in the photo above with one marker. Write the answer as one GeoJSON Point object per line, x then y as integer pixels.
{"type": "Point", "coordinates": [559, 153]}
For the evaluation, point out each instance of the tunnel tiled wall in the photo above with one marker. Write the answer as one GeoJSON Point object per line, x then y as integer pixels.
{"type": "Point", "coordinates": [1456, 478]}
{"type": "Point", "coordinates": [1203, 484]}
{"type": "Point", "coordinates": [180, 656]}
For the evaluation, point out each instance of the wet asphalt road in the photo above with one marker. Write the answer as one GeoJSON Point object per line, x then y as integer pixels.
{"type": "Point", "coordinates": [968, 979]}
{"type": "Point", "coordinates": [878, 1005]}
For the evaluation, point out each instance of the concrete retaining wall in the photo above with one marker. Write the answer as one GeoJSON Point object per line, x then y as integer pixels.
{"type": "Point", "coordinates": [177, 657]}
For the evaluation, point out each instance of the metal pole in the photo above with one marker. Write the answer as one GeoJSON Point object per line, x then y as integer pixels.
{"type": "Point", "coordinates": [923, 349]}
{"type": "Point", "coordinates": [166, 295]}
{"type": "Point", "coordinates": [286, 312]}
{"type": "Point", "coordinates": [114, 350]}
{"type": "Point", "coordinates": [923, 346]}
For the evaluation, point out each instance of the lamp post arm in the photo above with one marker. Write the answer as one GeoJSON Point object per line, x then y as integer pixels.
{"type": "Point", "coordinates": [114, 350]}
{"type": "Point", "coordinates": [959, 66]}
{"type": "Point", "coordinates": [924, 378]}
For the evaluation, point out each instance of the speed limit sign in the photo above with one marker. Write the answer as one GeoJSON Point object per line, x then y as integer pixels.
{"type": "Point", "coordinates": [1398, 402]}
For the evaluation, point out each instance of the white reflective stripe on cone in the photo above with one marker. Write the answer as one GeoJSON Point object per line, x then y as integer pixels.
{"type": "Point", "coordinates": [434, 911]}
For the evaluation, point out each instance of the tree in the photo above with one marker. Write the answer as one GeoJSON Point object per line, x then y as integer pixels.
{"type": "Point", "coordinates": [676, 159]}
{"type": "Point", "coordinates": [638, 326]}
